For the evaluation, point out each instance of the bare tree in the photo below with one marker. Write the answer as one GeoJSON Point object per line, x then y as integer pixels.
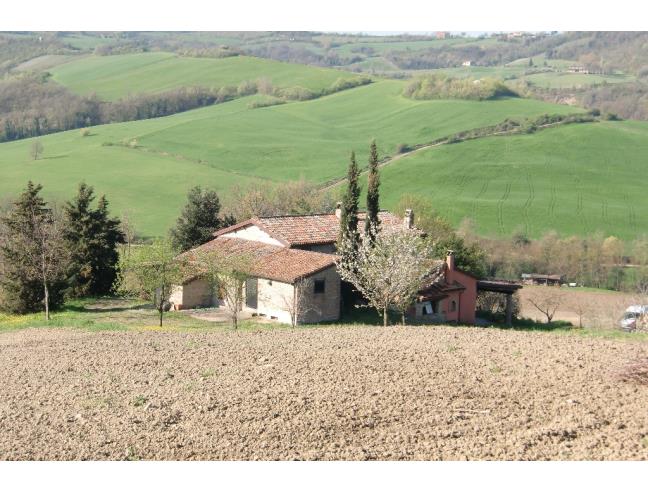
{"type": "Point", "coordinates": [47, 258]}
{"type": "Point", "coordinates": [128, 229]}
{"type": "Point", "coordinates": [290, 197]}
{"type": "Point", "coordinates": [579, 304]}
{"type": "Point", "coordinates": [227, 275]}
{"type": "Point", "coordinates": [547, 300]}
{"type": "Point", "coordinates": [388, 272]}
{"type": "Point", "coordinates": [36, 150]}
{"type": "Point", "coordinates": [299, 301]}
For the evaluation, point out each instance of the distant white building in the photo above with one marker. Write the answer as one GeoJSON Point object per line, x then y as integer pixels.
{"type": "Point", "coordinates": [467, 63]}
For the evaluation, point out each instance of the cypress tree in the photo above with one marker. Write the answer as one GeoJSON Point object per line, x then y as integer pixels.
{"type": "Point", "coordinates": [349, 215]}
{"type": "Point", "coordinates": [372, 221]}
{"type": "Point", "coordinates": [27, 253]}
{"type": "Point", "coordinates": [198, 220]}
{"type": "Point", "coordinates": [92, 237]}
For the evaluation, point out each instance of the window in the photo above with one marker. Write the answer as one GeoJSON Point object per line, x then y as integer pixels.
{"type": "Point", "coordinates": [453, 306]}
{"type": "Point", "coordinates": [428, 308]}
{"type": "Point", "coordinates": [319, 286]}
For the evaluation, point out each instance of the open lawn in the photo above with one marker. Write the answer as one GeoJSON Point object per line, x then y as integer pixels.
{"type": "Point", "coordinates": [116, 76]}
{"type": "Point", "coordinates": [574, 179]}
{"type": "Point", "coordinates": [228, 143]}
{"type": "Point", "coordinates": [346, 392]}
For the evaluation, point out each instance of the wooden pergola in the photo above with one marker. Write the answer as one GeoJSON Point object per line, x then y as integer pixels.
{"type": "Point", "coordinates": [502, 287]}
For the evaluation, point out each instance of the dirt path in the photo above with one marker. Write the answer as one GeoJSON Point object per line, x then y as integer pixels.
{"type": "Point", "coordinates": [356, 393]}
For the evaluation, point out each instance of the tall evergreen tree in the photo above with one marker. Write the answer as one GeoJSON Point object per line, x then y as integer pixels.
{"type": "Point", "coordinates": [199, 219]}
{"type": "Point", "coordinates": [92, 237]}
{"type": "Point", "coordinates": [349, 212]}
{"type": "Point", "coordinates": [31, 255]}
{"type": "Point", "coordinates": [372, 221]}
{"type": "Point", "coordinates": [109, 235]}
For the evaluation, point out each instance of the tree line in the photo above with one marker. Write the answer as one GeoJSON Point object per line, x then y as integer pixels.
{"type": "Point", "coordinates": [596, 260]}
{"type": "Point", "coordinates": [32, 105]}
{"type": "Point", "coordinates": [48, 254]}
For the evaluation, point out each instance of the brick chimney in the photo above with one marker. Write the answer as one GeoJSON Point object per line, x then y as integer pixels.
{"type": "Point", "coordinates": [338, 210]}
{"type": "Point", "coordinates": [408, 220]}
{"type": "Point", "coordinates": [450, 260]}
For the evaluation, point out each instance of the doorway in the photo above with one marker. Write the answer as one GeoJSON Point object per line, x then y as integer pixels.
{"type": "Point", "coordinates": [252, 293]}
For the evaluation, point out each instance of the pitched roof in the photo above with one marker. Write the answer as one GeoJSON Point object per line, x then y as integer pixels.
{"type": "Point", "coordinates": [300, 230]}
{"type": "Point", "coordinates": [437, 285]}
{"type": "Point", "coordinates": [267, 260]}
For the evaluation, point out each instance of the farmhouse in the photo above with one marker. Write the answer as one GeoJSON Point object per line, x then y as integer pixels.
{"type": "Point", "coordinates": [292, 271]}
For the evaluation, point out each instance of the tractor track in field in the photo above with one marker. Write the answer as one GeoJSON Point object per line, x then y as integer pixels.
{"type": "Point", "coordinates": [632, 217]}
{"type": "Point", "coordinates": [474, 208]}
{"type": "Point", "coordinates": [526, 208]}
{"type": "Point", "coordinates": [478, 196]}
{"type": "Point", "coordinates": [500, 207]}
{"type": "Point", "coordinates": [580, 204]}
{"type": "Point", "coordinates": [552, 202]}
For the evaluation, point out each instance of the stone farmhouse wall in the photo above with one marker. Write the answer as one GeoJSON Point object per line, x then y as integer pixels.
{"type": "Point", "coordinates": [196, 293]}
{"type": "Point", "coordinates": [275, 299]}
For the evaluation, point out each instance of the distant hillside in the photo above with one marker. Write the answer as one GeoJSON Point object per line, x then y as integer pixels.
{"type": "Point", "coordinates": [264, 119]}
{"type": "Point", "coordinates": [147, 166]}
{"type": "Point", "coordinates": [113, 77]}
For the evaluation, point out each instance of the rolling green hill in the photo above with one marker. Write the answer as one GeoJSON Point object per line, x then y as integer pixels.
{"type": "Point", "coordinates": [575, 179]}
{"type": "Point", "coordinates": [228, 143]}
{"type": "Point", "coordinates": [116, 76]}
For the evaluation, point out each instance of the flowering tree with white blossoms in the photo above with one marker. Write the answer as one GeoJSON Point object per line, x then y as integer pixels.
{"type": "Point", "coordinates": [390, 271]}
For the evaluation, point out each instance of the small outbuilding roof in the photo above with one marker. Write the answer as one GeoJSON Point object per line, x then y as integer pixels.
{"type": "Point", "coordinates": [497, 285]}
{"type": "Point", "coordinates": [268, 261]}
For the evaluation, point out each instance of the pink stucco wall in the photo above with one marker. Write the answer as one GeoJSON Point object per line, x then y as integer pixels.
{"type": "Point", "coordinates": [466, 299]}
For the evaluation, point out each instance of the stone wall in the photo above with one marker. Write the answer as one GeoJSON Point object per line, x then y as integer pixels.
{"type": "Point", "coordinates": [275, 299]}
{"type": "Point", "coordinates": [197, 293]}
{"type": "Point", "coordinates": [323, 306]}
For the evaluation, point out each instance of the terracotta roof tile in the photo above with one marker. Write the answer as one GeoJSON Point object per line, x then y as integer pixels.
{"type": "Point", "coordinates": [301, 230]}
{"type": "Point", "coordinates": [269, 261]}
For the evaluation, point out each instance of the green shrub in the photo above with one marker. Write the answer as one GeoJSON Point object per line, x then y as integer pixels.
{"type": "Point", "coordinates": [264, 103]}
{"type": "Point", "coordinates": [440, 86]}
{"type": "Point", "coordinates": [402, 148]}
{"type": "Point", "coordinates": [296, 93]}
{"type": "Point", "coordinates": [343, 84]}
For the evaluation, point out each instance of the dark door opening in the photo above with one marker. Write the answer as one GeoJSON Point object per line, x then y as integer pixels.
{"type": "Point", "coordinates": [251, 292]}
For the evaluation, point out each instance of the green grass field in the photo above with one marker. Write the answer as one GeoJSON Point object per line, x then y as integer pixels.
{"type": "Point", "coordinates": [220, 145]}
{"type": "Point", "coordinates": [500, 72]}
{"type": "Point", "coordinates": [575, 179]}
{"type": "Point", "coordinates": [559, 80]}
{"type": "Point", "coordinates": [549, 79]}
{"type": "Point", "coordinates": [113, 77]}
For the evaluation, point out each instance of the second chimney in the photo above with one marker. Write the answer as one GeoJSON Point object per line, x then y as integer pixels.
{"type": "Point", "coordinates": [338, 210]}
{"type": "Point", "coordinates": [450, 260]}
{"type": "Point", "coordinates": [408, 220]}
